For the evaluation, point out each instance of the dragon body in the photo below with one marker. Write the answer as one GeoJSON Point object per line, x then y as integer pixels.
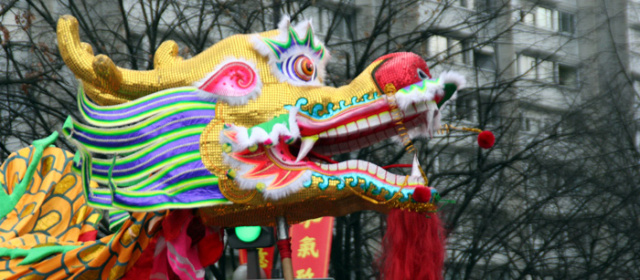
{"type": "Point", "coordinates": [241, 133]}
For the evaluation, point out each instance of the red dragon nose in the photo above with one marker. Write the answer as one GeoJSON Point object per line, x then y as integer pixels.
{"type": "Point", "coordinates": [401, 69]}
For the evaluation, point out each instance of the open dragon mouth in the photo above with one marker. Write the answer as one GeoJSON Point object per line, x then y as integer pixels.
{"type": "Point", "coordinates": [294, 149]}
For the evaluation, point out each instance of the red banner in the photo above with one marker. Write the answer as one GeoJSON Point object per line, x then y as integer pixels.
{"type": "Point", "coordinates": [311, 247]}
{"type": "Point", "coordinates": [265, 259]}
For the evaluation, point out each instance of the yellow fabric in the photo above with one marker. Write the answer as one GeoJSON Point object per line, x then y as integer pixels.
{"type": "Point", "coordinates": [53, 212]}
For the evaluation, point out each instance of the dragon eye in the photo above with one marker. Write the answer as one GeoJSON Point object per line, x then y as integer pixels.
{"type": "Point", "coordinates": [304, 68]}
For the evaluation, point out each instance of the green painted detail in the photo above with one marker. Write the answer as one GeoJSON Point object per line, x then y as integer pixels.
{"type": "Point", "coordinates": [226, 147]}
{"type": "Point", "coordinates": [293, 38]}
{"type": "Point", "coordinates": [449, 90]}
{"type": "Point", "coordinates": [35, 254]}
{"type": "Point", "coordinates": [321, 112]}
{"type": "Point", "coordinates": [248, 234]}
{"type": "Point", "coordinates": [231, 174]}
{"type": "Point", "coordinates": [10, 200]}
{"type": "Point", "coordinates": [268, 126]}
{"type": "Point", "coordinates": [76, 158]}
{"type": "Point", "coordinates": [68, 124]}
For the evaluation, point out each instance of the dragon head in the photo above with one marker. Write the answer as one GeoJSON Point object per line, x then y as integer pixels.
{"type": "Point", "coordinates": [254, 113]}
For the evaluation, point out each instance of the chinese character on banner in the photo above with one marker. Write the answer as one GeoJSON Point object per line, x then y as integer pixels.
{"type": "Point", "coordinates": [304, 273]}
{"type": "Point", "coordinates": [307, 223]}
{"type": "Point", "coordinates": [263, 255]}
{"type": "Point", "coordinates": [311, 247]}
{"type": "Point", "coordinates": [307, 247]}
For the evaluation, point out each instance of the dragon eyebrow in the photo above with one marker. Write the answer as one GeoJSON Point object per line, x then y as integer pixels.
{"type": "Point", "coordinates": [294, 39]}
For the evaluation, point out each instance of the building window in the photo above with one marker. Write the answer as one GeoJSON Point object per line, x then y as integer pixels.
{"type": "Point", "coordinates": [634, 39]}
{"type": "Point", "coordinates": [545, 18]}
{"type": "Point", "coordinates": [567, 75]}
{"type": "Point", "coordinates": [485, 5]}
{"type": "Point", "coordinates": [466, 4]}
{"type": "Point", "coordinates": [464, 107]}
{"type": "Point", "coordinates": [545, 71]}
{"type": "Point", "coordinates": [566, 22]}
{"type": "Point", "coordinates": [526, 67]}
{"type": "Point", "coordinates": [533, 68]}
{"type": "Point", "coordinates": [549, 19]}
{"type": "Point", "coordinates": [484, 61]}
{"type": "Point", "coordinates": [437, 46]}
{"type": "Point", "coordinates": [527, 18]}
{"type": "Point", "coordinates": [442, 48]}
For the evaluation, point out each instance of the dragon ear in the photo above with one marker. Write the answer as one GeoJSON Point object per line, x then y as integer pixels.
{"type": "Point", "coordinates": [233, 81]}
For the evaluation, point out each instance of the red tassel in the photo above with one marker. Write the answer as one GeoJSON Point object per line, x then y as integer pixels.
{"type": "Point", "coordinates": [142, 267]}
{"type": "Point", "coordinates": [210, 247]}
{"type": "Point", "coordinates": [413, 247]}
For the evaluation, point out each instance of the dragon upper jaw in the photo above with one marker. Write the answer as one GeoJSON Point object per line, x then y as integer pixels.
{"type": "Point", "coordinates": [273, 166]}
{"type": "Point", "coordinates": [366, 125]}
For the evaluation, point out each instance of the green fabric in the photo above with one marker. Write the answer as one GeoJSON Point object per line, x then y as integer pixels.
{"type": "Point", "coordinates": [35, 254]}
{"type": "Point", "coordinates": [268, 126]}
{"type": "Point", "coordinates": [449, 90]}
{"type": "Point", "coordinates": [19, 190]}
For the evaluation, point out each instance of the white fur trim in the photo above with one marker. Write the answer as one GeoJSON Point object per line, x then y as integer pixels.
{"type": "Point", "coordinates": [260, 136]}
{"type": "Point", "coordinates": [433, 120]}
{"type": "Point", "coordinates": [455, 78]}
{"type": "Point", "coordinates": [301, 29]}
{"type": "Point", "coordinates": [250, 184]}
{"type": "Point", "coordinates": [292, 187]}
{"type": "Point", "coordinates": [231, 100]}
{"type": "Point", "coordinates": [406, 99]}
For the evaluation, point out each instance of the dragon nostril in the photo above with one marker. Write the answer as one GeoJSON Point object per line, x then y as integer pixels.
{"type": "Point", "coordinates": [422, 74]}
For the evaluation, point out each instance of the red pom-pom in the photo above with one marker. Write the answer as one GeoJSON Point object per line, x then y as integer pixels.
{"type": "Point", "coordinates": [486, 139]}
{"type": "Point", "coordinates": [422, 194]}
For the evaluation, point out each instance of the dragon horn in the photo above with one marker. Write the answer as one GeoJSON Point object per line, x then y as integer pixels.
{"type": "Point", "coordinates": [102, 79]}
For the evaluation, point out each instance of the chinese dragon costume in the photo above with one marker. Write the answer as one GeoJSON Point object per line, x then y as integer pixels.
{"type": "Point", "coordinates": [238, 135]}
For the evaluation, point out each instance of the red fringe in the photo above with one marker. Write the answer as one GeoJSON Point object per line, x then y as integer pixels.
{"type": "Point", "coordinates": [142, 267]}
{"type": "Point", "coordinates": [413, 247]}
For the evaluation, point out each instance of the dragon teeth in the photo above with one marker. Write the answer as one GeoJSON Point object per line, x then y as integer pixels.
{"type": "Point", "coordinates": [411, 110]}
{"type": "Point", "coordinates": [342, 130]}
{"type": "Point", "coordinates": [391, 178]}
{"type": "Point", "coordinates": [305, 146]}
{"type": "Point", "coordinates": [373, 120]}
{"type": "Point", "coordinates": [372, 168]}
{"type": "Point", "coordinates": [422, 106]}
{"type": "Point", "coordinates": [342, 165]}
{"type": "Point", "coordinates": [362, 123]}
{"type": "Point", "coordinates": [362, 165]}
{"type": "Point", "coordinates": [415, 169]}
{"type": "Point", "coordinates": [332, 132]}
{"type": "Point", "coordinates": [385, 117]}
{"type": "Point", "coordinates": [352, 128]}
{"type": "Point", "coordinates": [381, 173]}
